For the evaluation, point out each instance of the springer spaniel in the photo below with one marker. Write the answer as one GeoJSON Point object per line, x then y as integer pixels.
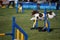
{"type": "Point", "coordinates": [40, 16]}
{"type": "Point", "coordinates": [36, 15]}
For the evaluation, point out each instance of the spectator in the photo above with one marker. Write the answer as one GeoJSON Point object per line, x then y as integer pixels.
{"type": "Point", "coordinates": [58, 4]}
{"type": "Point", "coordinates": [16, 1]}
{"type": "Point", "coordinates": [1, 3]}
{"type": "Point", "coordinates": [4, 2]}
{"type": "Point", "coordinates": [28, 0]}
{"type": "Point", "coordinates": [38, 4]}
{"type": "Point", "coordinates": [11, 2]}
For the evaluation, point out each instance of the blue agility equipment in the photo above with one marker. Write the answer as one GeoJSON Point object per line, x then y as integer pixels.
{"type": "Point", "coordinates": [48, 29]}
{"type": "Point", "coordinates": [36, 26]}
{"type": "Point", "coordinates": [46, 21]}
{"type": "Point", "coordinates": [14, 25]}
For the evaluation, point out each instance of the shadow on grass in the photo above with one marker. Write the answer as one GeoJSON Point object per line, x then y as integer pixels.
{"type": "Point", "coordinates": [40, 29]}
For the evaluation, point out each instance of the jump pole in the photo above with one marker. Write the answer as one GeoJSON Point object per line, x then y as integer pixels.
{"type": "Point", "coordinates": [13, 28]}
{"type": "Point", "coordinates": [21, 34]}
{"type": "Point", "coordinates": [46, 22]}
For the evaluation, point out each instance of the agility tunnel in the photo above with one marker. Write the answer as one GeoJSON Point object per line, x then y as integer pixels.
{"type": "Point", "coordinates": [20, 34]}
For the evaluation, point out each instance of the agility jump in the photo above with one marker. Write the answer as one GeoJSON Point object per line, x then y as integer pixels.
{"type": "Point", "coordinates": [20, 33]}
{"type": "Point", "coordinates": [42, 16]}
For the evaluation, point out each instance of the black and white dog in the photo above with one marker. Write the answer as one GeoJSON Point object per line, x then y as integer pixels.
{"type": "Point", "coordinates": [40, 16]}
{"type": "Point", "coordinates": [36, 15]}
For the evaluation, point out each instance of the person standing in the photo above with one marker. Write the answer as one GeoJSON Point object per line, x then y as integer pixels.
{"type": "Point", "coordinates": [57, 5]}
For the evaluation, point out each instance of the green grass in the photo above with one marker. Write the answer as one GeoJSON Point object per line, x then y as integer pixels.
{"type": "Point", "coordinates": [23, 20]}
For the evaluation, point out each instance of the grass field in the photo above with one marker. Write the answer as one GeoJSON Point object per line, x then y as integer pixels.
{"type": "Point", "coordinates": [23, 20]}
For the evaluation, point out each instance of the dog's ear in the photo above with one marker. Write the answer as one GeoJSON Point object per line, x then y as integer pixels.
{"type": "Point", "coordinates": [50, 12]}
{"type": "Point", "coordinates": [40, 14]}
{"type": "Point", "coordinates": [34, 12]}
